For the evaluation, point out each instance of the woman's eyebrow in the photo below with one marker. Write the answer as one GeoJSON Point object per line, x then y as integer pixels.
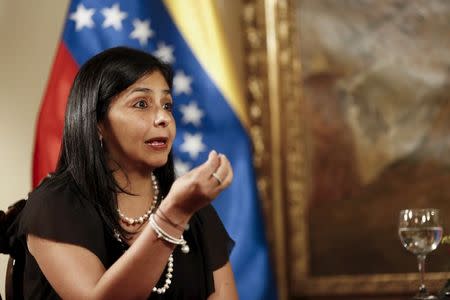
{"type": "Point", "coordinates": [140, 89]}
{"type": "Point", "coordinates": [147, 90]}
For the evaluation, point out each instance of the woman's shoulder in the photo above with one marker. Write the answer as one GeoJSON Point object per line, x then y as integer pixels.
{"type": "Point", "coordinates": [58, 205]}
{"type": "Point", "coordinates": [57, 210]}
{"type": "Point", "coordinates": [57, 196]}
{"type": "Point", "coordinates": [55, 189]}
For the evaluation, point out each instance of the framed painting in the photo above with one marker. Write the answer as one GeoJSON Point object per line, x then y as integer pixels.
{"type": "Point", "coordinates": [350, 123]}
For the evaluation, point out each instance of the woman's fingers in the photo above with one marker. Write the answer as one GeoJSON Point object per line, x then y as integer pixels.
{"type": "Point", "coordinates": [215, 173]}
{"type": "Point", "coordinates": [229, 175]}
{"type": "Point", "coordinates": [208, 167]}
{"type": "Point", "coordinates": [221, 175]}
{"type": "Point", "coordinates": [211, 164]}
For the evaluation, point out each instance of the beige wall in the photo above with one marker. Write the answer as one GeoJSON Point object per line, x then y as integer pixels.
{"type": "Point", "coordinates": [29, 32]}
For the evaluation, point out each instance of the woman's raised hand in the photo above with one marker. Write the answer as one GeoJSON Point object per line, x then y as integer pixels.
{"type": "Point", "coordinates": [201, 185]}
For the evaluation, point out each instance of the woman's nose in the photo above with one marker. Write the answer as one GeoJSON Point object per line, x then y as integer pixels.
{"type": "Point", "coordinates": [162, 118]}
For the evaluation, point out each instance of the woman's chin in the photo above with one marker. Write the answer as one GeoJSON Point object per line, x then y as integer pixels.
{"type": "Point", "coordinates": [156, 163]}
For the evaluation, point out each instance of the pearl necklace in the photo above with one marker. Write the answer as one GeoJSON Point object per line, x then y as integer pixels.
{"type": "Point", "coordinates": [142, 219]}
{"type": "Point", "coordinates": [168, 277]}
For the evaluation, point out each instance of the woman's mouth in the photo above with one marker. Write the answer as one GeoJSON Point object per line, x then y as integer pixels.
{"type": "Point", "coordinates": [158, 143]}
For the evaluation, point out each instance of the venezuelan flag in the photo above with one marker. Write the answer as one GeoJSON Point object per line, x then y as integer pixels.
{"type": "Point", "coordinates": [210, 108]}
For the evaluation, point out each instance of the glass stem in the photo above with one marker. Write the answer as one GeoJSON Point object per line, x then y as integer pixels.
{"type": "Point", "coordinates": [421, 264]}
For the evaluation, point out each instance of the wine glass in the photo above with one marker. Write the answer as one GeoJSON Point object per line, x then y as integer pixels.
{"type": "Point", "coordinates": [420, 232]}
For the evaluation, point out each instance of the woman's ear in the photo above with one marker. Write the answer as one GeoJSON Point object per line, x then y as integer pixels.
{"type": "Point", "coordinates": [100, 131]}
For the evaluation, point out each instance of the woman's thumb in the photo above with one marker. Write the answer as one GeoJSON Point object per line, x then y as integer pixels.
{"type": "Point", "coordinates": [213, 160]}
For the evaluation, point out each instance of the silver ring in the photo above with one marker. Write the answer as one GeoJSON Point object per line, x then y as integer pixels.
{"type": "Point", "coordinates": [217, 178]}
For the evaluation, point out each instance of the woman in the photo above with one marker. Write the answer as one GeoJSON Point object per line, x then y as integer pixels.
{"type": "Point", "coordinates": [98, 228]}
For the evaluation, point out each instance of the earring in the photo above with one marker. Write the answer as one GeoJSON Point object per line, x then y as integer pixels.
{"type": "Point", "coordinates": [101, 142]}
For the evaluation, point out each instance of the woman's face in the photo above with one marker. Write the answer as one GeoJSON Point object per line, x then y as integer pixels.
{"type": "Point", "coordinates": [139, 127]}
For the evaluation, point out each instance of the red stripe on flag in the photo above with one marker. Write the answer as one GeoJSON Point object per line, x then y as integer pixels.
{"type": "Point", "coordinates": [50, 123]}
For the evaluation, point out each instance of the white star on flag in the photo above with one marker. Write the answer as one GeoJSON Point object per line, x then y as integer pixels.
{"type": "Point", "coordinates": [82, 17]}
{"type": "Point", "coordinates": [191, 113]}
{"type": "Point", "coordinates": [181, 167]}
{"type": "Point", "coordinates": [142, 31]}
{"type": "Point", "coordinates": [182, 83]}
{"type": "Point", "coordinates": [192, 144]}
{"type": "Point", "coordinates": [113, 17]}
{"type": "Point", "coordinates": [165, 53]}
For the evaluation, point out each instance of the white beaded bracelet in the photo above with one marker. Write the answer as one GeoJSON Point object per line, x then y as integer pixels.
{"type": "Point", "coordinates": [161, 234]}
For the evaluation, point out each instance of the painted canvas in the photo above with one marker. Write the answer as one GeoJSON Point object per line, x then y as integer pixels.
{"type": "Point", "coordinates": [376, 80]}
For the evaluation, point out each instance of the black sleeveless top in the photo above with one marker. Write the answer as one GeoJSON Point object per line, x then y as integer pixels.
{"type": "Point", "coordinates": [61, 214]}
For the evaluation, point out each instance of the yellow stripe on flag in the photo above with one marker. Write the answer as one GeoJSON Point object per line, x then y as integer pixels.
{"type": "Point", "coordinates": [200, 25]}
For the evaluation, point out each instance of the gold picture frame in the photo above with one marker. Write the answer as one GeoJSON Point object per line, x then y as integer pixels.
{"type": "Point", "coordinates": [279, 131]}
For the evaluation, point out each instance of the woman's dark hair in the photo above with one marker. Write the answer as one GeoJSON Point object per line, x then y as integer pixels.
{"type": "Point", "coordinates": [82, 158]}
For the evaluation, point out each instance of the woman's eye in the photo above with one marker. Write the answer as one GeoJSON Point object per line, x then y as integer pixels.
{"type": "Point", "coordinates": [141, 104]}
{"type": "Point", "coordinates": [168, 106]}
